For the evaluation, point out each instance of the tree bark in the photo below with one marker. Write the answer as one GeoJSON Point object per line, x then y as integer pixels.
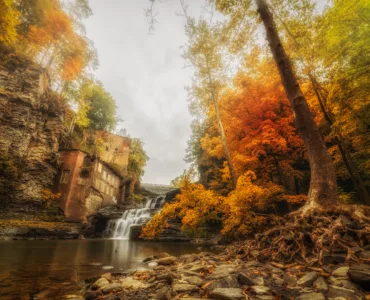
{"type": "Point", "coordinates": [323, 185]}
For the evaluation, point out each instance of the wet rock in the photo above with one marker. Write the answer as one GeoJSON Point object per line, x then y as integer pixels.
{"type": "Point", "coordinates": [227, 294]}
{"type": "Point", "coordinates": [336, 293]}
{"type": "Point", "coordinates": [320, 285]}
{"type": "Point", "coordinates": [340, 272]}
{"type": "Point", "coordinates": [307, 279]}
{"type": "Point", "coordinates": [131, 283]}
{"type": "Point", "coordinates": [163, 294]}
{"type": "Point", "coordinates": [184, 287]}
{"type": "Point", "coordinates": [310, 296]}
{"type": "Point", "coordinates": [360, 274]}
{"type": "Point", "coordinates": [135, 232]}
{"type": "Point", "coordinates": [100, 283]}
{"type": "Point", "coordinates": [198, 268]}
{"type": "Point", "coordinates": [194, 280]}
{"type": "Point", "coordinates": [112, 288]}
{"type": "Point", "coordinates": [165, 261]}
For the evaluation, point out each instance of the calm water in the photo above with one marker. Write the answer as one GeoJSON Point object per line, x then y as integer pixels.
{"type": "Point", "coordinates": [51, 269]}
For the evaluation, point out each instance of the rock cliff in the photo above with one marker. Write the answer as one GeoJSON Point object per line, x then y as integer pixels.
{"type": "Point", "coordinates": [31, 117]}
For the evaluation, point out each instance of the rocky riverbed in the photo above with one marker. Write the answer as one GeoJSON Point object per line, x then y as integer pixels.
{"type": "Point", "coordinates": [226, 276]}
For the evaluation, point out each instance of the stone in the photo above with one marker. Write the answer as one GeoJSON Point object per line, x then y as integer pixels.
{"type": "Point", "coordinates": [339, 293]}
{"type": "Point", "coordinates": [227, 294]}
{"type": "Point", "coordinates": [249, 279]}
{"type": "Point", "coordinates": [194, 280]}
{"type": "Point", "coordinates": [112, 288]}
{"type": "Point", "coordinates": [135, 231]}
{"type": "Point", "coordinates": [169, 277]}
{"type": "Point", "coordinates": [321, 285]}
{"type": "Point", "coordinates": [360, 274]}
{"type": "Point", "coordinates": [100, 283]}
{"type": "Point", "coordinates": [163, 294]}
{"type": "Point", "coordinates": [340, 272]}
{"type": "Point", "coordinates": [307, 279]}
{"type": "Point", "coordinates": [184, 287]}
{"type": "Point", "coordinates": [165, 261]}
{"type": "Point", "coordinates": [152, 264]}
{"type": "Point", "coordinates": [161, 255]}
{"type": "Point", "coordinates": [260, 290]}
{"type": "Point", "coordinates": [131, 283]}
{"type": "Point", "coordinates": [310, 296]}
{"type": "Point", "coordinates": [222, 281]}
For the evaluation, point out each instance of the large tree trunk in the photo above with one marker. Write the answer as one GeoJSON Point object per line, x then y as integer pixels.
{"type": "Point", "coordinates": [323, 185]}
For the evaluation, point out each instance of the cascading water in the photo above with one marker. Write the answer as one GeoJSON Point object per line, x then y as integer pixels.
{"type": "Point", "coordinates": [120, 228]}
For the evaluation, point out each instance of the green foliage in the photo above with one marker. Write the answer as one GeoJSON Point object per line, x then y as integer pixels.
{"type": "Point", "coordinates": [102, 108]}
{"type": "Point", "coordinates": [137, 159]}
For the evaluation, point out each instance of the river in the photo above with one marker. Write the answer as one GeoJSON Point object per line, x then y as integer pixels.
{"type": "Point", "coordinates": [52, 269]}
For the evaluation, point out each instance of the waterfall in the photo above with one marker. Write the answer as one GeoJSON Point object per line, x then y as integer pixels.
{"type": "Point", "coordinates": [120, 228]}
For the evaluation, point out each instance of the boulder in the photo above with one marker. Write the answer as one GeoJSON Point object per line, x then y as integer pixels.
{"type": "Point", "coordinates": [166, 260]}
{"type": "Point", "coordinates": [227, 294]}
{"type": "Point", "coordinates": [360, 274]}
{"type": "Point", "coordinates": [100, 283]}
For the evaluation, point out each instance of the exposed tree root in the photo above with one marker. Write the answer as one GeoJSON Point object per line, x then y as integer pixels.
{"type": "Point", "coordinates": [314, 236]}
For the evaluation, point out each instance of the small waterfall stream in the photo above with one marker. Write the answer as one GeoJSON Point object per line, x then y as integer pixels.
{"type": "Point", "coordinates": [120, 228]}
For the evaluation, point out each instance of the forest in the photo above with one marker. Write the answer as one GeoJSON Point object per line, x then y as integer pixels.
{"type": "Point", "coordinates": [275, 200]}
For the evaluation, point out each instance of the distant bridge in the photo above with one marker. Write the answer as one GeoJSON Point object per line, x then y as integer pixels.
{"type": "Point", "coordinates": [159, 189]}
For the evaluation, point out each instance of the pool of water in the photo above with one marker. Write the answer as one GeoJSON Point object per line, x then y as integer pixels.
{"type": "Point", "coordinates": [52, 269]}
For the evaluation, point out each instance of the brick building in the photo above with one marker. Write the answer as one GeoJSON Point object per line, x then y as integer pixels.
{"type": "Point", "coordinates": [88, 182]}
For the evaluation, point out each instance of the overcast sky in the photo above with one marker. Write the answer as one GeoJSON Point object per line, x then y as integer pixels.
{"type": "Point", "coordinates": [145, 75]}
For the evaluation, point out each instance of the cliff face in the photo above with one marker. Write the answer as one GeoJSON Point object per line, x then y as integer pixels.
{"type": "Point", "coordinates": [31, 118]}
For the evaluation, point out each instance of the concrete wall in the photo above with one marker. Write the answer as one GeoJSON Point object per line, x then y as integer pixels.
{"type": "Point", "coordinates": [116, 150]}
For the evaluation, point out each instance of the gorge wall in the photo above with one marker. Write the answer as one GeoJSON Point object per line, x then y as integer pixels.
{"type": "Point", "coordinates": [31, 117]}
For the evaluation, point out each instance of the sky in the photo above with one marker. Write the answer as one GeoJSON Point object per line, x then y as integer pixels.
{"type": "Point", "coordinates": [144, 73]}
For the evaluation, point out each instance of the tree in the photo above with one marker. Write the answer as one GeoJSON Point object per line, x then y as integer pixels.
{"type": "Point", "coordinates": [323, 186]}
{"type": "Point", "coordinates": [204, 53]}
{"type": "Point", "coordinates": [9, 20]}
{"type": "Point", "coordinates": [102, 109]}
{"type": "Point", "coordinates": [137, 159]}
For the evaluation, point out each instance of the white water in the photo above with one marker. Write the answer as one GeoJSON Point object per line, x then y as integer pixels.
{"type": "Point", "coordinates": [137, 216]}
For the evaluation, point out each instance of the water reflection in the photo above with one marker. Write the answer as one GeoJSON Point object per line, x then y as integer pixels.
{"type": "Point", "coordinates": [51, 269]}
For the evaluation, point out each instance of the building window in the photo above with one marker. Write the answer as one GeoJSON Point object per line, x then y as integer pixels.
{"type": "Point", "coordinates": [100, 167]}
{"type": "Point", "coordinates": [104, 174]}
{"type": "Point", "coordinates": [65, 176]}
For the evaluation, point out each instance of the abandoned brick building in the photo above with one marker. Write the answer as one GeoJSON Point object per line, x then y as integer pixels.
{"type": "Point", "coordinates": [88, 182]}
